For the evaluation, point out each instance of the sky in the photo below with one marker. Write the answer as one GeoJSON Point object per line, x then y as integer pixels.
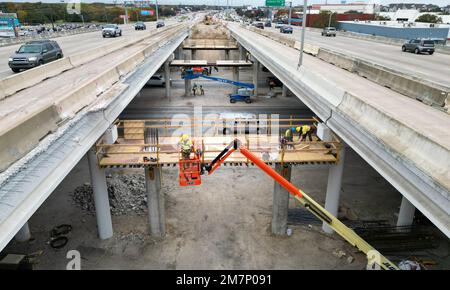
{"type": "Point", "coordinates": [252, 2]}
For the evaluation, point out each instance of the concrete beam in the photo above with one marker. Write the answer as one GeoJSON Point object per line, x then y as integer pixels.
{"type": "Point", "coordinates": [155, 202]}
{"type": "Point", "coordinates": [235, 78]}
{"type": "Point", "coordinates": [334, 188]}
{"type": "Point", "coordinates": [167, 77]}
{"type": "Point", "coordinates": [406, 213]}
{"type": "Point", "coordinates": [255, 75]}
{"type": "Point", "coordinates": [101, 199]}
{"type": "Point", "coordinates": [284, 91]}
{"type": "Point", "coordinates": [280, 202]}
{"type": "Point", "coordinates": [23, 234]}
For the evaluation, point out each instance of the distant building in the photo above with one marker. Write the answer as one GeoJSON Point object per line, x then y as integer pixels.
{"type": "Point", "coordinates": [360, 7]}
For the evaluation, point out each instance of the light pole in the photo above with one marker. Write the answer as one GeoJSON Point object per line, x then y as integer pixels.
{"type": "Point", "coordinates": [300, 61]}
{"type": "Point", "coordinates": [156, 8]}
{"type": "Point", "coordinates": [329, 20]}
{"type": "Point", "coordinates": [290, 13]}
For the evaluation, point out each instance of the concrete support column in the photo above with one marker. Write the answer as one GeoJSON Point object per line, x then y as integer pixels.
{"type": "Point", "coordinates": [242, 52]}
{"type": "Point", "coordinates": [101, 199]}
{"type": "Point", "coordinates": [406, 214]}
{"type": "Point", "coordinates": [227, 54]}
{"type": "Point", "coordinates": [334, 188]}
{"type": "Point", "coordinates": [155, 202]}
{"type": "Point", "coordinates": [187, 83]}
{"type": "Point", "coordinates": [167, 77]}
{"type": "Point", "coordinates": [23, 234]}
{"type": "Point", "coordinates": [235, 78]}
{"type": "Point", "coordinates": [255, 74]}
{"type": "Point", "coordinates": [193, 54]}
{"type": "Point", "coordinates": [280, 202]}
{"type": "Point", "coordinates": [284, 91]}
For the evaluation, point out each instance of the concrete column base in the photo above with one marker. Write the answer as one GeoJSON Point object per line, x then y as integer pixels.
{"type": "Point", "coordinates": [235, 78]}
{"type": "Point", "coordinates": [255, 75]}
{"type": "Point", "coordinates": [155, 202]}
{"type": "Point", "coordinates": [280, 202]}
{"type": "Point", "coordinates": [167, 78]}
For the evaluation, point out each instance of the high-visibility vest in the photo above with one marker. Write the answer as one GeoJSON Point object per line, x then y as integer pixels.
{"type": "Point", "coordinates": [305, 129]}
{"type": "Point", "coordinates": [288, 133]}
{"type": "Point", "coordinates": [185, 144]}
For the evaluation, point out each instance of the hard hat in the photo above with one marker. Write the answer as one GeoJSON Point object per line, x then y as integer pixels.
{"type": "Point", "coordinates": [293, 129]}
{"type": "Point", "coordinates": [297, 129]}
{"type": "Point", "coordinates": [185, 136]}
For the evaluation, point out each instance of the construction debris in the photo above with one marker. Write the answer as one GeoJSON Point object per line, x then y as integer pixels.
{"type": "Point", "coordinates": [127, 195]}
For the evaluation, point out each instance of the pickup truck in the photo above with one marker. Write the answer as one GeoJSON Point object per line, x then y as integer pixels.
{"type": "Point", "coordinates": [111, 30]}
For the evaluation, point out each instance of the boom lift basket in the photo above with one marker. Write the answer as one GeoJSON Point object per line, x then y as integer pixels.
{"type": "Point", "coordinates": [190, 171]}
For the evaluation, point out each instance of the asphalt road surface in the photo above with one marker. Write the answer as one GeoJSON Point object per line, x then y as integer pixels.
{"type": "Point", "coordinates": [434, 67]}
{"type": "Point", "coordinates": [73, 44]}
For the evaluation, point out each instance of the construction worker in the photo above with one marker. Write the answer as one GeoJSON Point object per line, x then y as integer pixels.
{"type": "Point", "coordinates": [202, 91]}
{"type": "Point", "coordinates": [186, 146]}
{"type": "Point", "coordinates": [289, 135]}
{"type": "Point", "coordinates": [194, 89]}
{"type": "Point", "coordinates": [304, 131]}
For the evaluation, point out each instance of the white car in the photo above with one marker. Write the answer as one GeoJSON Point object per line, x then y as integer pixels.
{"type": "Point", "coordinates": [157, 81]}
{"type": "Point", "coordinates": [112, 30]}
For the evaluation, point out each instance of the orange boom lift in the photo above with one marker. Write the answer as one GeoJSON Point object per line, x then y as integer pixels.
{"type": "Point", "coordinates": [373, 256]}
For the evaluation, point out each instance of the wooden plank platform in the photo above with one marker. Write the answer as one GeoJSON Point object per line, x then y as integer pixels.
{"type": "Point", "coordinates": [130, 153]}
{"type": "Point", "coordinates": [210, 44]}
{"type": "Point", "coordinates": [218, 63]}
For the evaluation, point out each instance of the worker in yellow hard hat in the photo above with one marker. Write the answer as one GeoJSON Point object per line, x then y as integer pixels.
{"type": "Point", "coordinates": [186, 146]}
{"type": "Point", "coordinates": [304, 131]}
{"type": "Point", "coordinates": [289, 135]}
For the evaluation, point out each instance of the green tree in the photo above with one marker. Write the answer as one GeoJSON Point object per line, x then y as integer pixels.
{"type": "Point", "coordinates": [429, 18]}
{"type": "Point", "coordinates": [323, 19]}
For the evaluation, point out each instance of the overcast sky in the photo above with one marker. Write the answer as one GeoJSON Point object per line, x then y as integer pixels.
{"type": "Point", "coordinates": [252, 2]}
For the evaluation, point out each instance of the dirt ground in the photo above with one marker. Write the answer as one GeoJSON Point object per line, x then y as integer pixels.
{"type": "Point", "coordinates": [222, 224]}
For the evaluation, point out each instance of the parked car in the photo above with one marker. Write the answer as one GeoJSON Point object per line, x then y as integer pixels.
{"type": "Point", "coordinates": [259, 25]}
{"type": "Point", "coordinates": [419, 46]}
{"type": "Point", "coordinates": [160, 24]}
{"type": "Point", "coordinates": [111, 30]}
{"type": "Point", "coordinates": [286, 29]}
{"type": "Point", "coordinates": [329, 31]}
{"type": "Point", "coordinates": [157, 81]}
{"type": "Point", "coordinates": [268, 24]}
{"type": "Point", "coordinates": [279, 24]}
{"type": "Point", "coordinates": [34, 53]}
{"type": "Point", "coordinates": [140, 26]}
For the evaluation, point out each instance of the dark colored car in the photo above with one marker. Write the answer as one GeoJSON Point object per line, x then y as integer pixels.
{"type": "Point", "coordinates": [268, 24]}
{"type": "Point", "coordinates": [140, 26]}
{"type": "Point", "coordinates": [160, 24]}
{"type": "Point", "coordinates": [419, 46]}
{"type": "Point", "coordinates": [34, 53]}
{"type": "Point", "coordinates": [286, 29]}
{"type": "Point", "coordinates": [259, 25]}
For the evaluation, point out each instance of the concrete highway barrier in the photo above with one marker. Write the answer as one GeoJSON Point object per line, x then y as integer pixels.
{"type": "Point", "coordinates": [429, 93]}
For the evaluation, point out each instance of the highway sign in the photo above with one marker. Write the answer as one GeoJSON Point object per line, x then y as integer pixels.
{"type": "Point", "coordinates": [275, 3]}
{"type": "Point", "coordinates": [146, 12]}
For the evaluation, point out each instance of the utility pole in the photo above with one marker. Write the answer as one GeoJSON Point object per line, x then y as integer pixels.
{"type": "Point", "coordinates": [156, 4]}
{"type": "Point", "coordinates": [329, 20]}
{"type": "Point", "coordinates": [290, 12]}
{"type": "Point", "coordinates": [302, 44]}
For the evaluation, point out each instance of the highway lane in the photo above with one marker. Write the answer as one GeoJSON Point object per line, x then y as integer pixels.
{"type": "Point", "coordinates": [73, 44]}
{"type": "Point", "coordinates": [434, 67]}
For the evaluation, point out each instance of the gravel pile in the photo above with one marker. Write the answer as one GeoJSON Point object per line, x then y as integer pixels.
{"type": "Point", "coordinates": [127, 195]}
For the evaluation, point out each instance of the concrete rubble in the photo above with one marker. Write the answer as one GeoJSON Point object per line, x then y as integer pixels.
{"type": "Point", "coordinates": [127, 195]}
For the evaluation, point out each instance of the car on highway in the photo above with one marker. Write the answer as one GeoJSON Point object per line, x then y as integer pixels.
{"type": "Point", "coordinates": [157, 81]}
{"type": "Point", "coordinates": [286, 29]}
{"type": "Point", "coordinates": [419, 46]}
{"type": "Point", "coordinates": [140, 26]}
{"type": "Point", "coordinates": [259, 25]}
{"type": "Point", "coordinates": [160, 24]}
{"type": "Point", "coordinates": [34, 53]}
{"type": "Point", "coordinates": [112, 30]}
{"type": "Point", "coordinates": [329, 31]}
{"type": "Point", "coordinates": [268, 24]}
{"type": "Point", "coordinates": [279, 24]}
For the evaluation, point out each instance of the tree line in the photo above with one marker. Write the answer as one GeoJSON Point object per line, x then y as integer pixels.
{"type": "Point", "coordinates": [42, 13]}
